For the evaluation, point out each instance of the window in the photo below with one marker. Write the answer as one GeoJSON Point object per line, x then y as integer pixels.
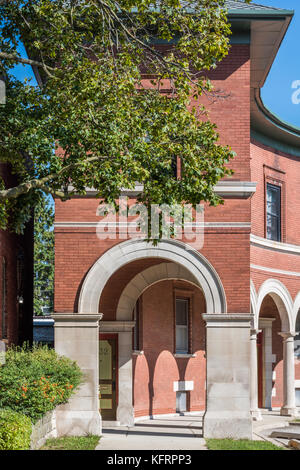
{"type": "Point", "coordinates": [136, 330]}
{"type": "Point", "coordinates": [3, 306]}
{"type": "Point", "coordinates": [297, 393]}
{"type": "Point", "coordinates": [297, 338]}
{"type": "Point", "coordinates": [273, 228]}
{"type": "Point", "coordinates": [182, 326]}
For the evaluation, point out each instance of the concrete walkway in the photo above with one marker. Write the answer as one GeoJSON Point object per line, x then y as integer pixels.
{"type": "Point", "coordinates": [180, 433]}
{"type": "Point", "coordinates": [164, 433]}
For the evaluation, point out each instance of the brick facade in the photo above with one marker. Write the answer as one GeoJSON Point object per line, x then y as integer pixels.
{"type": "Point", "coordinates": [227, 247]}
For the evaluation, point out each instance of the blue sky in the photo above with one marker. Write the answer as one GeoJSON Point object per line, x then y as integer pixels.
{"type": "Point", "coordinates": [277, 92]}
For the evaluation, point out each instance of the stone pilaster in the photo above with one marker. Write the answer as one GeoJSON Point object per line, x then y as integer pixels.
{"type": "Point", "coordinates": [77, 337]}
{"type": "Point", "coordinates": [255, 412]}
{"type": "Point", "coordinates": [289, 402]}
{"type": "Point", "coordinates": [227, 412]}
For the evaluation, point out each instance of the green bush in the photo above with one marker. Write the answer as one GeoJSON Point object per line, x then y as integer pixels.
{"type": "Point", "coordinates": [15, 430]}
{"type": "Point", "coordinates": [36, 380]}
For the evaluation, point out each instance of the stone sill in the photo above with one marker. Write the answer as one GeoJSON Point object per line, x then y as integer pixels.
{"type": "Point", "coordinates": [184, 355]}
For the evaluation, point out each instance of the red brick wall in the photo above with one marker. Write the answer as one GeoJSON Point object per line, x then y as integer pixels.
{"type": "Point", "coordinates": [157, 369]}
{"type": "Point", "coordinates": [227, 249]}
{"type": "Point", "coordinates": [268, 164]}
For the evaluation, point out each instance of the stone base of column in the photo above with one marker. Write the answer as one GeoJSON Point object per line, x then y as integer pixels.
{"type": "Point", "coordinates": [228, 377]}
{"type": "Point", "coordinates": [256, 415]}
{"type": "Point", "coordinates": [125, 415]}
{"type": "Point", "coordinates": [227, 425]}
{"type": "Point", "coordinates": [288, 411]}
{"type": "Point", "coordinates": [77, 337]}
{"type": "Point", "coordinates": [78, 423]}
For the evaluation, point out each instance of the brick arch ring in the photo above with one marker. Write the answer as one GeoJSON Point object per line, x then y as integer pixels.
{"type": "Point", "coordinates": [193, 262]}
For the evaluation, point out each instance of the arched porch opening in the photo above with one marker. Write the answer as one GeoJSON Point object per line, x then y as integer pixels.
{"type": "Point", "coordinates": [274, 335]}
{"type": "Point", "coordinates": [146, 299]}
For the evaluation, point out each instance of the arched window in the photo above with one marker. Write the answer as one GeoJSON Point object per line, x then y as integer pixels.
{"type": "Point", "coordinates": [4, 299]}
{"type": "Point", "coordinates": [297, 338]}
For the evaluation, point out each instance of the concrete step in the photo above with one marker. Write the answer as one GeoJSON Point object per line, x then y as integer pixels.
{"type": "Point", "coordinates": [291, 432]}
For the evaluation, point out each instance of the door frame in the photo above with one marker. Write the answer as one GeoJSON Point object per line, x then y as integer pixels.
{"type": "Point", "coordinates": [113, 336]}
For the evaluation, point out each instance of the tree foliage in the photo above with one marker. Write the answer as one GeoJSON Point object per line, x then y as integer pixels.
{"type": "Point", "coordinates": [43, 255]}
{"type": "Point", "coordinates": [113, 105]}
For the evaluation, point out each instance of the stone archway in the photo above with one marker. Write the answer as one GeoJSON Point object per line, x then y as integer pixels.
{"type": "Point", "coordinates": [281, 297]}
{"type": "Point", "coordinates": [182, 263]}
{"type": "Point", "coordinates": [146, 278]}
{"type": "Point", "coordinates": [177, 252]}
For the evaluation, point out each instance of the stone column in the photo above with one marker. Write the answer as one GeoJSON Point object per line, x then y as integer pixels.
{"type": "Point", "coordinates": [125, 411]}
{"type": "Point", "coordinates": [227, 412]}
{"type": "Point", "coordinates": [77, 337]}
{"type": "Point", "coordinates": [289, 402]}
{"type": "Point", "coordinates": [255, 412]}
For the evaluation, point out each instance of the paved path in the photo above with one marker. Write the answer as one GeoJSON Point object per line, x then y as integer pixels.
{"type": "Point", "coordinates": [171, 433]}
{"type": "Point", "coordinates": [179, 433]}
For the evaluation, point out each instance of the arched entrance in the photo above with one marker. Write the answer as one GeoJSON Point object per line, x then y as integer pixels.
{"type": "Point", "coordinates": [178, 252]}
{"type": "Point", "coordinates": [174, 261]}
{"type": "Point", "coordinates": [275, 346]}
{"type": "Point", "coordinates": [112, 286]}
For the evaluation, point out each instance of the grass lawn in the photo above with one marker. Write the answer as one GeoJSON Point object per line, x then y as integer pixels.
{"type": "Point", "coordinates": [243, 444]}
{"type": "Point", "coordinates": [71, 443]}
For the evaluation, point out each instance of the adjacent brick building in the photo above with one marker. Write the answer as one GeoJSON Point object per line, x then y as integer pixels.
{"type": "Point", "coordinates": [16, 278]}
{"type": "Point", "coordinates": [187, 330]}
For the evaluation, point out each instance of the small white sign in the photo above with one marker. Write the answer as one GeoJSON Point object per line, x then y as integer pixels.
{"type": "Point", "coordinates": [183, 385]}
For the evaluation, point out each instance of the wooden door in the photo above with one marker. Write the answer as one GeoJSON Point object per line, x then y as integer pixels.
{"type": "Point", "coordinates": [108, 376]}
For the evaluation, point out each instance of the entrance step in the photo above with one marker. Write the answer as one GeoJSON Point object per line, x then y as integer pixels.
{"type": "Point", "coordinates": [110, 424]}
{"type": "Point", "coordinates": [290, 432]}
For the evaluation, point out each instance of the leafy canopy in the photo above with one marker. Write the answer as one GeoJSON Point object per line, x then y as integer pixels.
{"type": "Point", "coordinates": [113, 102]}
{"type": "Point", "coordinates": [43, 255]}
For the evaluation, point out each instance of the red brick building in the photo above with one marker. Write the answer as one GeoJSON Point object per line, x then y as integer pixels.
{"type": "Point", "coordinates": [16, 280]}
{"type": "Point", "coordinates": [186, 330]}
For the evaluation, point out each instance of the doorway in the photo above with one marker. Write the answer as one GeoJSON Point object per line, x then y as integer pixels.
{"type": "Point", "coordinates": [108, 376]}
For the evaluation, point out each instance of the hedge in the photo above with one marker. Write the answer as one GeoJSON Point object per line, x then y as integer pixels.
{"type": "Point", "coordinates": [15, 430]}
{"type": "Point", "coordinates": [35, 380]}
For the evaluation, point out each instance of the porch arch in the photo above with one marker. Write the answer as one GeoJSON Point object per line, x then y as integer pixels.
{"type": "Point", "coordinates": [177, 252]}
{"type": "Point", "coordinates": [282, 299]}
{"type": "Point", "coordinates": [145, 279]}
{"type": "Point", "coordinates": [296, 310]}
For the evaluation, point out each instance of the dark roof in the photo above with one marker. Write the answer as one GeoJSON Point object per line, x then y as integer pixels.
{"type": "Point", "coordinates": [241, 5]}
{"type": "Point", "coordinates": [241, 8]}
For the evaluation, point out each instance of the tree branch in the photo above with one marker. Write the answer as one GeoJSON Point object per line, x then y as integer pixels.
{"type": "Point", "coordinates": [24, 188]}
{"type": "Point", "coordinates": [5, 55]}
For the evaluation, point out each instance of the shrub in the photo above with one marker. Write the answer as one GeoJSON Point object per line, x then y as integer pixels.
{"type": "Point", "coordinates": [15, 430]}
{"type": "Point", "coordinates": [34, 381]}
